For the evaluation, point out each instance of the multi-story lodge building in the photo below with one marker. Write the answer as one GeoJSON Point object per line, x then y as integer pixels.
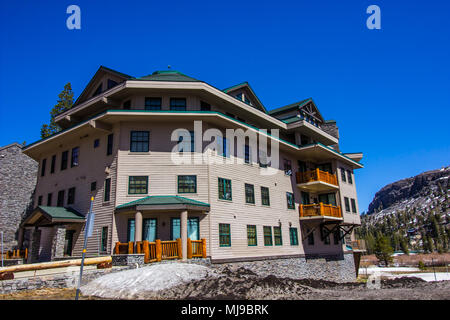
{"type": "Point", "coordinates": [117, 146]}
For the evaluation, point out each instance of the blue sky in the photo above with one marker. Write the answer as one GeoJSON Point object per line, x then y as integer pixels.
{"type": "Point", "coordinates": [388, 89]}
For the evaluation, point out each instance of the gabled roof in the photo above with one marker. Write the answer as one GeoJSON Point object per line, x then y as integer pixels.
{"type": "Point", "coordinates": [168, 75]}
{"type": "Point", "coordinates": [51, 215]}
{"type": "Point", "coordinates": [297, 105]}
{"type": "Point", "coordinates": [164, 201]}
{"type": "Point", "coordinates": [93, 80]}
{"type": "Point", "coordinates": [246, 85]}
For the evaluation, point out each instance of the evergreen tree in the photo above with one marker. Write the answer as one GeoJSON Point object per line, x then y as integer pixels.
{"type": "Point", "coordinates": [65, 102]}
{"type": "Point", "coordinates": [383, 251]}
{"type": "Point", "coordinates": [404, 246]}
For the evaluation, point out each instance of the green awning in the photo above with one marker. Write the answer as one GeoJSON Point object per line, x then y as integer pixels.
{"type": "Point", "coordinates": [165, 202]}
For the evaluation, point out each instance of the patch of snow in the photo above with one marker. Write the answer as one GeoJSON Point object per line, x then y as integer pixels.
{"type": "Point", "coordinates": [440, 276]}
{"type": "Point", "coordinates": [138, 283]}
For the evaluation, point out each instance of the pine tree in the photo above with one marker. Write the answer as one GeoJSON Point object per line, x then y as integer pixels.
{"type": "Point", "coordinates": [404, 246]}
{"type": "Point", "coordinates": [383, 251]}
{"type": "Point", "coordinates": [65, 102]}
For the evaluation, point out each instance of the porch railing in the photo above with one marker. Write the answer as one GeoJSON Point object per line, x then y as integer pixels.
{"type": "Point", "coordinates": [316, 175]}
{"type": "Point", "coordinates": [162, 250]}
{"type": "Point", "coordinates": [313, 210]}
{"type": "Point", "coordinates": [16, 254]}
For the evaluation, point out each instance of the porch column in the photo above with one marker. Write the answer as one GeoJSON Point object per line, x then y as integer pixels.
{"type": "Point", "coordinates": [184, 215]}
{"type": "Point", "coordinates": [138, 226]}
{"type": "Point", "coordinates": [58, 240]}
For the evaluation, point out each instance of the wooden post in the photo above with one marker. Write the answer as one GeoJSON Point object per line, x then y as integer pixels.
{"type": "Point", "coordinates": [301, 210]}
{"type": "Point", "coordinates": [26, 254]}
{"type": "Point", "coordinates": [116, 248]}
{"type": "Point", "coordinates": [180, 248]}
{"type": "Point", "coordinates": [130, 247]}
{"type": "Point", "coordinates": [138, 247]}
{"type": "Point", "coordinates": [189, 248]}
{"type": "Point", "coordinates": [317, 174]}
{"type": "Point", "coordinates": [321, 209]}
{"type": "Point", "coordinates": [203, 248]}
{"type": "Point", "coordinates": [146, 249]}
{"type": "Point", "coordinates": [158, 249]}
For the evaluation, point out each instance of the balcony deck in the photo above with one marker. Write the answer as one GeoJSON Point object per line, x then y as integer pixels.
{"type": "Point", "coordinates": [320, 211]}
{"type": "Point", "coordinates": [316, 181]}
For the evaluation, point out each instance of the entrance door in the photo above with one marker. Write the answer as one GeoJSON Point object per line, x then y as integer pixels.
{"type": "Point", "coordinates": [149, 229]}
{"type": "Point", "coordinates": [329, 198]}
{"type": "Point", "coordinates": [68, 243]}
{"type": "Point", "coordinates": [193, 228]}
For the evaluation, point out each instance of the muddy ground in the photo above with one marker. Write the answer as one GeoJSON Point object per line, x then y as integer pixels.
{"type": "Point", "coordinates": [244, 284]}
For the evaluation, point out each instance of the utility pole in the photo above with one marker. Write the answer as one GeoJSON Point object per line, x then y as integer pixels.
{"type": "Point", "coordinates": [87, 233]}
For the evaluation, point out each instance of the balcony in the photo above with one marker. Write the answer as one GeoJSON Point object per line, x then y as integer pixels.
{"type": "Point", "coordinates": [324, 211]}
{"type": "Point", "coordinates": [317, 181]}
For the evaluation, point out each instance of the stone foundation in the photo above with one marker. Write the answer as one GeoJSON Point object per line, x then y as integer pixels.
{"type": "Point", "coordinates": [128, 259]}
{"type": "Point", "coordinates": [330, 268]}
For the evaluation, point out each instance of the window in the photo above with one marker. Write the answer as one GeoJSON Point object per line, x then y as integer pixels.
{"type": "Point", "coordinates": [44, 163]}
{"type": "Point", "coordinates": [150, 229]}
{"type": "Point", "coordinates": [277, 236]}
{"type": "Point", "coordinates": [138, 185]}
{"type": "Point", "coordinates": [343, 175]}
{"type": "Point", "coordinates": [251, 236]}
{"type": "Point", "coordinates": [224, 189]}
{"type": "Point", "coordinates": [267, 236]}
{"type": "Point", "coordinates": [139, 141]}
{"type": "Point", "coordinates": [205, 106]}
{"type": "Point", "coordinates": [111, 83]}
{"type": "Point", "coordinates": [49, 200]}
{"type": "Point", "coordinates": [40, 201]}
{"type": "Point", "coordinates": [336, 237]}
{"type": "Point", "coordinates": [349, 176]}
{"type": "Point", "coordinates": [64, 158]}
{"type": "Point", "coordinates": [249, 193]}
{"type": "Point", "coordinates": [178, 104]}
{"type": "Point", "coordinates": [187, 184]}
{"type": "Point", "coordinates": [265, 201]}
{"type": "Point", "coordinates": [130, 230]}
{"type": "Point", "coordinates": [224, 235]}
{"type": "Point", "coordinates": [104, 243]}
{"type": "Point", "coordinates": [287, 167]}
{"type": "Point", "coordinates": [353, 205]}
{"type": "Point", "coordinates": [74, 159]}
{"type": "Point", "coordinates": [96, 143]}
{"type": "Point", "coordinates": [305, 197]}
{"type": "Point", "coordinates": [310, 237]}
{"type": "Point", "coordinates": [325, 167]}
{"type": "Point", "coordinates": [52, 166]}
{"type": "Point", "coordinates": [107, 194]}
{"type": "Point", "coordinates": [326, 240]}
{"type": "Point", "coordinates": [347, 204]}
{"type": "Point", "coordinates": [262, 159]}
{"type": "Point", "coordinates": [60, 202]}
{"type": "Point", "coordinates": [153, 103]}
{"type": "Point", "coordinates": [98, 90]}
{"type": "Point", "coordinates": [247, 153]}
{"type": "Point", "coordinates": [293, 235]}
{"type": "Point", "coordinates": [68, 242]}
{"type": "Point", "coordinates": [188, 146]}
{"type": "Point", "coordinates": [328, 198]}
{"type": "Point", "coordinates": [94, 186]}
{"type": "Point", "coordinates": [110, 144]}
{"type": "Point", "coordinates": [193, 228]}
{"type": "Point", "coordinates": [71, 196]}
{"type": "Point", "coordinates": [290, 200]}
{"type": "Point", "coordinates": [127, 105]}
{"type": "Point", "coordinates": [223, 147]}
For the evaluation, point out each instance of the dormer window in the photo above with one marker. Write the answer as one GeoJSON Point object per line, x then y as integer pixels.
{"type": "Point", "coordinates": [99, 90]}
{"type": "Point", "coordinates": [111, 83]}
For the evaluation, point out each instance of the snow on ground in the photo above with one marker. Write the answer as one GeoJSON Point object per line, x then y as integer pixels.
{"type": "Point", "coordinates": [140, 282]}
{"type": "Point", "coordinates": [372, 270]}
{"type": "Point", "coordinates": [389, 272]}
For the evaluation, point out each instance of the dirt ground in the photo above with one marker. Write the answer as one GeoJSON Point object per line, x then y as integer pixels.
{"type": "Point", "coordinates": [244, 284]}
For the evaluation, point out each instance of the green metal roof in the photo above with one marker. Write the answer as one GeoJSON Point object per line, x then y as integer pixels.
{"type": "Point", "coordinates": [168, 75]}
{"type": "Point", "coordinates": [163, 200]}
{"type": "Point", "coordinates": [62, 213]}
{"type": "Point", "coordinates": [289, 107]}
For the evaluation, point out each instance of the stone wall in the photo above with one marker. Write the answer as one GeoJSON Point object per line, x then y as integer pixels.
{"type": "Point", "coordinates": [63, 280]}
{"type": "Point", "coordinates": [330, 268]}
{"type": "Point", "coordinates": [18, 174]}
{"type": "Point", "coordinates": [128, 259]}
{"type": "Point", "coordinates": [331, 128]}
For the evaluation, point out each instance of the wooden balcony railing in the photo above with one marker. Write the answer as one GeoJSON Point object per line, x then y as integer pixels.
{"type": "Point", "coordinates": [317, 210]}
{"type": "Point", "coordinates": [163, 250]}
{"type": "Point", "coordinates": [16, 254]}
{"type": "Point", "coordinates": [316, 175]}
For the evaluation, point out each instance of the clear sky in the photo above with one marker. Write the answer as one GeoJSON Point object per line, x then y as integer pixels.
{"type": "Point", "coordinates": [388, 89]}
